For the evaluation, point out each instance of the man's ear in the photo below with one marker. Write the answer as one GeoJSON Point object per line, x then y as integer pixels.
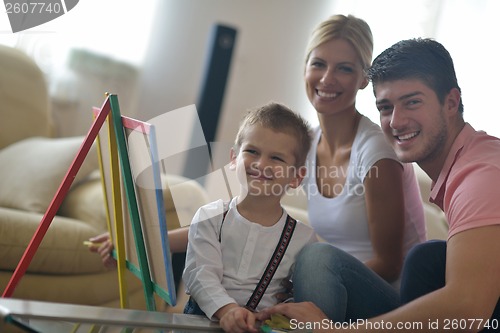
{"type": "Point", "coordinates": [452, 101]}
{"type": "Point", "coordinates": [299, 176]}
{"type": "Point", "coordinates": [232, 162]}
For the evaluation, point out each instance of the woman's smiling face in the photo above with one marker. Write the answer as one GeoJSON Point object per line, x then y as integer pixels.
{"type": "Point", "coordinates": [333, 76]}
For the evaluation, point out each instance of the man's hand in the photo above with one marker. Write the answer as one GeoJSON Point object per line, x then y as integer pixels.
{"type": "Point", "coordinates": [302, 312]}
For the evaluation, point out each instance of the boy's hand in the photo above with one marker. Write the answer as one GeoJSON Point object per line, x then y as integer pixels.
{"type": "Point", "coordinates": [102, 244]}
{"type": "Point", "coordinates": [236, 319]}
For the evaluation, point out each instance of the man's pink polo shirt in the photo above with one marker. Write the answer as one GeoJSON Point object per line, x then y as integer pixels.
{"type": "Point", "coordinates": [468, 187]}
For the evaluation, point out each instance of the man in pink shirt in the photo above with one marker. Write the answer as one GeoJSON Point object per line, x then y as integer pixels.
{"type": "Point", "coordinates": [467, 186]}
{"type": "Point", "coordinates": [452, 285]}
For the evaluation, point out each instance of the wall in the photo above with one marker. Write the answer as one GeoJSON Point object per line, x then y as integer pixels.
{"type": "Point", "coordinates": [267, 61]}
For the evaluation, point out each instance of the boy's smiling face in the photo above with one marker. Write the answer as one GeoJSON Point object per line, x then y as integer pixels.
{"type": "Point", "coordinates": [266, 161]}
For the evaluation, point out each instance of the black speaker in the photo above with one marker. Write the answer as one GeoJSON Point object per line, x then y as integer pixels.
{"type": "Point", "coordinates": [221, 44]}
{"type": "Point", "coordinates": [216, 72]}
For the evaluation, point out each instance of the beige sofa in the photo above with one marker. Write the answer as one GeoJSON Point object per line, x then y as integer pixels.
{"type": "Point", "coordinates": [32, 166]}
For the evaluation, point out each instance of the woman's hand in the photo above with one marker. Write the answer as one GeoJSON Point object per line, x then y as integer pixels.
{"type": "Point", "coordinates": [288, 293]}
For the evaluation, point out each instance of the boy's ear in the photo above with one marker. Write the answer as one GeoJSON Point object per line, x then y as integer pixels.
{"type": "Point", "coordinates": [232, 162]}
{"type": "Point", "coordinates": [299, 176]}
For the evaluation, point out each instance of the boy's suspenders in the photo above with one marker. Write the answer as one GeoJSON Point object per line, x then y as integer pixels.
{"type": "Point", "coordinates": [273, 264]}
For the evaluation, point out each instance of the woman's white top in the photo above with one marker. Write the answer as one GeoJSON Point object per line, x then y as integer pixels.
{"type": "Point", "coordinates": [342, 220]}
{"type": "Point", "coordinates": [219, 273]}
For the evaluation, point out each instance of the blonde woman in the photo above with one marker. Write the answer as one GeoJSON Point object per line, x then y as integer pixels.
{"type": "Point", "coordinates": [361, 200]}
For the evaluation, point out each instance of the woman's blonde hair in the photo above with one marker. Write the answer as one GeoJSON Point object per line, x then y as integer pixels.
{"type": "Point", "coordinates": [355, 30]}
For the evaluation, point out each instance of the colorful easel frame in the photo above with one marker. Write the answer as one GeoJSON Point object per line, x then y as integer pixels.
{"type": "Point", "coordinates": [149, 187]}
{"type": "Point", "coordinates": [136, 142]}
{"type": "Point", "coordinates": [116, 127]}
{"type": "Point", "coordinates": [110, 175]}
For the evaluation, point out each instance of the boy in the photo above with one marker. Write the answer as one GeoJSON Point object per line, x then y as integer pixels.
{"type": "Point", "coordinates": [231, 243]}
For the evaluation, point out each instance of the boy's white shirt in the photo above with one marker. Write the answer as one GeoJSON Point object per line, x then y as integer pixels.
{"type": "Point", "coordinates": [217, 274]}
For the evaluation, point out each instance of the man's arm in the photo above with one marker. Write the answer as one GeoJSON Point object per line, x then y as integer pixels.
{"type": "Point", "coordinates": [468, 299]}
{"type": "Point", "coordinates": [472, 285]}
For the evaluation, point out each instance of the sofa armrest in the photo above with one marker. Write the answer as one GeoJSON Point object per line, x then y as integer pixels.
{"type": "Point", "coordinates": [80, 217]}
{"type": "Point", "coordinates": [61, 250]}
{"type": "Point", "coordinates": [435, 223]}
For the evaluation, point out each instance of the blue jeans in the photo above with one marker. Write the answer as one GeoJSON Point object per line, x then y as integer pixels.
{"type": "Point", "coordinates": [192, 307]}
{"type": "Point", "coordinates": [340, 285]}
{"type": "Point", "coordinates": [424, 271]}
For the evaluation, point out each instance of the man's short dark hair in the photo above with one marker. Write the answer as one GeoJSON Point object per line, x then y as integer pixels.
{"type": "Point", "coordinates": [421, 58]}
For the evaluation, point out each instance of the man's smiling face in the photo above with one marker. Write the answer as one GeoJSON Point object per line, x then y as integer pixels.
{"type": "Point", "coordinates": [412, 118]}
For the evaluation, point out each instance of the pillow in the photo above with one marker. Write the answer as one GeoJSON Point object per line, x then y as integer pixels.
{"type": "Point", "coordinates": [32, 170]}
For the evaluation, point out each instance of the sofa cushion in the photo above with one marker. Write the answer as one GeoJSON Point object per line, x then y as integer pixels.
{"type": "Point", "coordinates": [25, 106]}
{"type": "Point", "coordinates": [31, 171]}
{"type": "Point", "coordinates": [85, 202]}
